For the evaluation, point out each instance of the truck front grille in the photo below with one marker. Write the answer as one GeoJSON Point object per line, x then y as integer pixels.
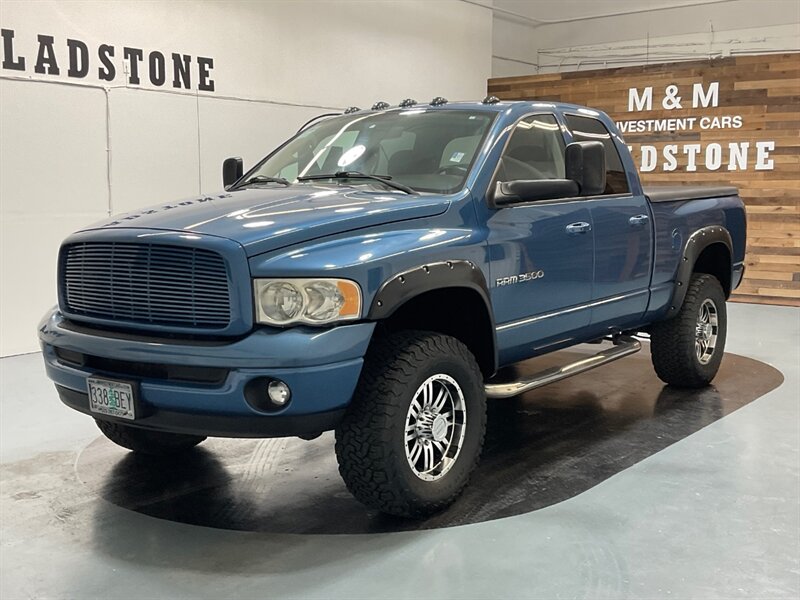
{"type": "Point", "coordinates": [151, 284]}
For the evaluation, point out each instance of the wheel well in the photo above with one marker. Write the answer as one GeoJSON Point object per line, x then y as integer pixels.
{"type": "Point", "coordinates": [458, 312]}
{"type": "Point", "coordinates": [716, 260]}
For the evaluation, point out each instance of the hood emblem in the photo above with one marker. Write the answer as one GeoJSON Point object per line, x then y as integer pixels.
{"type": "Point", "coordinates": [152, 211]}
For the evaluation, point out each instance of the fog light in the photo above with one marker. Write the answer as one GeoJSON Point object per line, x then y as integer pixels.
{"type": "Point", "coordinates": [278, 392]}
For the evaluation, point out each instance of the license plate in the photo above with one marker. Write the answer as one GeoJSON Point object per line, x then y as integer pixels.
{"type": "Point", "coordinates": [112, 398]}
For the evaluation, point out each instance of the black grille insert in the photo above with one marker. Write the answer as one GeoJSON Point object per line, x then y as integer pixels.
{"type": "Point", "coordinates": [146, 283]}
{"type": "Point", "coordinates": [126, 369]}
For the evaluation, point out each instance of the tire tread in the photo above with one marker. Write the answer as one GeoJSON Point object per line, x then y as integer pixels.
{"type": "Point", "coordinates": [367, 462]}
{"type": "Point", "coordinates": [672, 341]}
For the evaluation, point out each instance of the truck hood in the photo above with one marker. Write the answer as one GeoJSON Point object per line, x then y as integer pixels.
{"type": "Point", "coordinates": [265, 219]}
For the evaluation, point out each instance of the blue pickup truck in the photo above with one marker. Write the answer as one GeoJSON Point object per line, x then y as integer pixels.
{"type": "Point", "coordinates": [373, 274]}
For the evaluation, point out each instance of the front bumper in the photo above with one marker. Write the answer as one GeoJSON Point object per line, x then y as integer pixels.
{"type": "Point", "coordinates": [321, 367]}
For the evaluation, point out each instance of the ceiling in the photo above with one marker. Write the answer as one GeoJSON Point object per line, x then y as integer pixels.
{"type": "Point", "coordinates": [558, 10]}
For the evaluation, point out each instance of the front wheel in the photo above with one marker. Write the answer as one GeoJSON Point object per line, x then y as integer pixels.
{"type": "Point", "coordinates": [414, 430]}
{"type": "Point", "coordinates": [145, 441]}
{"type": "Point", "coordinates": [687, 349]}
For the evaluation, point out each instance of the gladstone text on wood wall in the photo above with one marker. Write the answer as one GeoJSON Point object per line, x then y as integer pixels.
{"type": "Point", "coordinates": [728, 121]}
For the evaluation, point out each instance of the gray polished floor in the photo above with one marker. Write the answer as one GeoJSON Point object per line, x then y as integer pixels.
{"type": "Point", "coordinates": [715, 515]}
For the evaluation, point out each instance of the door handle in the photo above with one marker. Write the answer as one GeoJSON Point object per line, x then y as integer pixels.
{"type": "Point", "coordinates": [576, 228]}
{"type": "Point", "coordinates": [638, 220]}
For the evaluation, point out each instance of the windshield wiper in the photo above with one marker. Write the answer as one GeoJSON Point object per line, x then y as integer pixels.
{"type": "Point", "coordinates": [384, 179]}
{"type": "Point", "coordinates": [265, 179]}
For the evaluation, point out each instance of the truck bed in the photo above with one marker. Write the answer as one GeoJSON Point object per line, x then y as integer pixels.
{"type": "Point", "coordinates": [674, 193]}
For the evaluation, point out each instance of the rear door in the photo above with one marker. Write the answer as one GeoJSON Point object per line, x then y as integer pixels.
{"type": "Point", "coordinates": [541, 252]}
{"type": "Point", "coordinates": [623, 236]}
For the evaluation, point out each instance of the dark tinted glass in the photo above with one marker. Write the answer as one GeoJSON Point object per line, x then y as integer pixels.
{"type": "Point", "coordinates": [535, 151]}
{"type": "Point", "coordinates": [587, 129]}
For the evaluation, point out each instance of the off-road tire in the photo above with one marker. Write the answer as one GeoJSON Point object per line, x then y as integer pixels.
{"type": "Point", "coordinates": [370, 442]}
{"type": "Point", "coordinates": [145, 441]}
{"type": "Point", "coordinates": [672, 342]}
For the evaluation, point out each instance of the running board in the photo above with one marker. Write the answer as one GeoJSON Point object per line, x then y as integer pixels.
{"type": "Point", "coordinates": [623, 346]}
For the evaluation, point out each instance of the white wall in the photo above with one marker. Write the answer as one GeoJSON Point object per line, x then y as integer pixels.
{"type": "Point", "coordinates": [74, 150]}
{"type": "Point", "coordinates": [553, 35]}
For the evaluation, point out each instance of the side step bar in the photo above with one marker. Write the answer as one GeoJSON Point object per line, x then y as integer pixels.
{"type": "Point", "coordinates": [623, 346]}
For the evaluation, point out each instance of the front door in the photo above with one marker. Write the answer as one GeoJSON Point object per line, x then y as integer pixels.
{"type": "Point", "coordinates": [541, 253]}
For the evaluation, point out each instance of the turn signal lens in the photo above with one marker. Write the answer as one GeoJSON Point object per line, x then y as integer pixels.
{"type": "Point", "coordinates": [311, 301]}
{"type": "Point", "coordinates": [351, 294]}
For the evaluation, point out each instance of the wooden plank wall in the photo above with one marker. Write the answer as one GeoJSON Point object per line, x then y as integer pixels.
{"type": "Point", "coordinates": [764, 91]}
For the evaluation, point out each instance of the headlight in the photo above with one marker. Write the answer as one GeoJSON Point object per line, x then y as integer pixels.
{"type": "Point", "coordinates": [311, 301]}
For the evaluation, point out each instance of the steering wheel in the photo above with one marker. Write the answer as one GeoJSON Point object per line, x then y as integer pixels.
{"type": "Point", "coordinates": [453, 170]}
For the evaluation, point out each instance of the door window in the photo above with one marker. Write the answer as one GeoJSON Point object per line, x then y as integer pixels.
{"type": "Point", "coordinates": [535, 151]}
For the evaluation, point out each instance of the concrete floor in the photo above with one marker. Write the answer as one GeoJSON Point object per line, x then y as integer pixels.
{"type": "Point", "coordinates": [715, 515]}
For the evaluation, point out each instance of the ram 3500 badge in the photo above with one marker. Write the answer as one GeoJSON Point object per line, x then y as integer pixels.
{"type": "Point", "coordinates": [521, 278]}
{"type": "Point", "coordinates": [344, 283]}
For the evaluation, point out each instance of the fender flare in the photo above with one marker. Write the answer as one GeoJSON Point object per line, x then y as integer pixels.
{"type": "Point", "coordinates": [697, 242]}
{"type": "Point", "coordinates": [440, 275]}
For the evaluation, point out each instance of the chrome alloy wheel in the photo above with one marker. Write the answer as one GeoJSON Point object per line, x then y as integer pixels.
{"type": "Point", "coordinates": [706, 330]}
{"type": "Point", "coordinates": [435, 427]}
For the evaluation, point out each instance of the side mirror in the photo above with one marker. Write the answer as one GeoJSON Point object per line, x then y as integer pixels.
{"type": "Point", "coordinates": [232, 170]}
{"type": "Point", "coordinates": [586, 166]}
{"type": "Point", "coordinates": [529, 190]}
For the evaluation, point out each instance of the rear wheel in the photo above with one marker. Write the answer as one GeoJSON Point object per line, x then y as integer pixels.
{"type": "Point", "coordinates": [414, 430]}
{"type": "Point", "coordinates": [687, 350]}
{"type": "Point", "coordinates": [145, 441]}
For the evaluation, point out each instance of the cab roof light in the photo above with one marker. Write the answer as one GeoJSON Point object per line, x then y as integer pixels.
{"type": "Point", "coordinates": [380, 105]}
{"type": "Point", "coordinates": [490, 100]}
{"type": "Point", "coordinates": [438, 101]}
{"type": "Point", "coordinates": [352, 109]}
{"type": "Point", "coordinates": [408, 103]}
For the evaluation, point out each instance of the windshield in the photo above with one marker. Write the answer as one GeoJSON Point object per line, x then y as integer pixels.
{"type": "Point", "coordinates": [428, 150]}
